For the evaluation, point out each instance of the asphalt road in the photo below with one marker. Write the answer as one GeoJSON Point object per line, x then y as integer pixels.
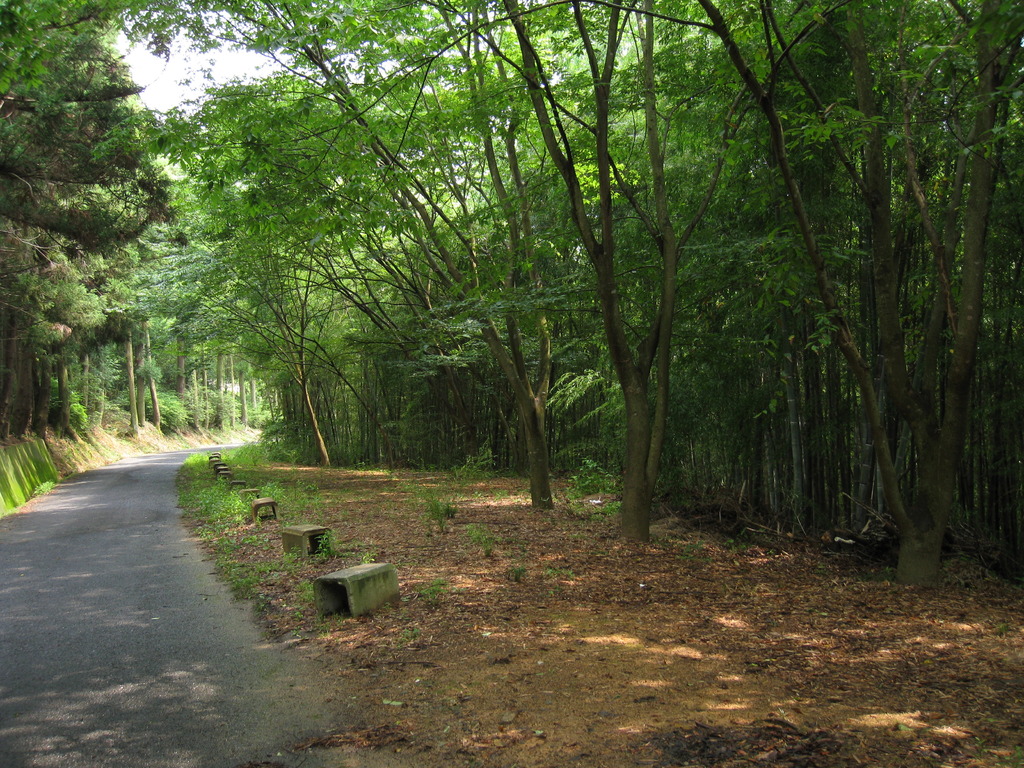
{"type": "Point", "coordinates": [119, 647]}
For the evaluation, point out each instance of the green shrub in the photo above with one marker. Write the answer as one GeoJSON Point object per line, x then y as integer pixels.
{"type": "Point", "coordinates": [79, 417]}
{"type": "Point", "coordinates": [288, 443]}
{"type": "Point", "coordinates": [325, 547]}
{"type": "Point", "coordinates": [173, 414]}
{"type": "Point", "coordinates": [249, 455]}
{"type": "Point", "coordinates": [213, 504]}
{"type": "Point", "coordinates": [44, 487]}
{"type": "Point", "coordinates": [475, 467]}
{"type": "Point", "coordinates": [592, 479]}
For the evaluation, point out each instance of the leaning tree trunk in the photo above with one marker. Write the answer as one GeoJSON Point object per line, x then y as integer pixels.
{"type": "Point", "coordinates": [314, 421]}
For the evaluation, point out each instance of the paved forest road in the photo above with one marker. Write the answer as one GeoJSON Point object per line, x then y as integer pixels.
{"type": "Point", "coordinates": [118, 647]}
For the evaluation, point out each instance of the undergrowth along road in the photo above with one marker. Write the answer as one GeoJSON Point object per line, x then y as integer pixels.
{"type": "Point", "coordinates": [537, 639]}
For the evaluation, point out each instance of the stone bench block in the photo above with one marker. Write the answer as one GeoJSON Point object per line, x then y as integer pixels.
{"type": "Point", "coordinates": [357, 590]}
{"type": "Point", "coordinates": [264, 509]}
{"type": "Point", "coordinates": [238, 483]}
{"type": "Point", "coordinates": [247, 491]}
{"type": "Point", "coordinates": [304, 539]}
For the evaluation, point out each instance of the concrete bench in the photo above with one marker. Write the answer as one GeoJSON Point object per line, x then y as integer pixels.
{"type": "Point", "coordinates": [238, 483]}
{"type": "Point", "coordinates": [247, 491]}
{"type": "Point", "coordinates": [217, 466]}
{"type": "Point", "coordinates": [356, 590]}
{"type": "Point", "coordinates": [264, 509]}
{"type": "Point", "coordinates": [304, 539]}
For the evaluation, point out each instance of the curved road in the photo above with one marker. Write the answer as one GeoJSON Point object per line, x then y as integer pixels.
{"type": "Point", "coordinates": [118, 647]}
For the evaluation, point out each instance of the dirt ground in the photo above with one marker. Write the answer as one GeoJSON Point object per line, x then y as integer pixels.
{"type": "Point", "coordinates": [536, 639]}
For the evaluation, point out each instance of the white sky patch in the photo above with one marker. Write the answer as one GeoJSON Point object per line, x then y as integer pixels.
{"type": "Point", "coordinates": [187, 74]}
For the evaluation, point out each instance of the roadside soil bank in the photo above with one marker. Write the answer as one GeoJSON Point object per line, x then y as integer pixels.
{"type": "Point", "coordinates": [100, 447]}
{"type": "Point", "coordinates": [542, 640]}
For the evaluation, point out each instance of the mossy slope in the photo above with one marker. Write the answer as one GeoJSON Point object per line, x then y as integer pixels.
{"type": "Point", "coordinates": [23, 468]}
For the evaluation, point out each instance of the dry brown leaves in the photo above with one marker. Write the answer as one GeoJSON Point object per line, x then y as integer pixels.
{"type": "Point", "coordinates": [569, 646]}
{"type": "Point", "coordinates": [360, 738]}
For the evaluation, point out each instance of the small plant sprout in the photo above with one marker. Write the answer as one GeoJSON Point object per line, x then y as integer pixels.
{"type": "Point", "coordinates": [482, 536]}
{"type": "Point", "coordinates": [433, 591]}
{"type": "Point", "coordinates": [408, 635]}
{"type": "Point", "coordinates": [44, 487]}
{"type": "Point", "coordinates": [560, 573]}
{"type": "Point", "coordinates": [439, 512]}
{"type": "Point", "coordinates": [324, 546]}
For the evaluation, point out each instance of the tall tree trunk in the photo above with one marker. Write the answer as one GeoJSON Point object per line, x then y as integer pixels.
{"type": "Point", "coordinates": [151, 382]}
{"type": "Point", "coordinates": [129, 356]}
{"type": "Point", "coordinates": [242, 397]}
{"type": "Point", "coordinates": [87, 383]}
{"type": "Point", "coordinates": [197, 401]}
{"type": "Point", "coordinates": [231, 391]}
{"type": "Point", "coordinates": [43, 388]}
{"type": "Point", "coordinates": [182, 374]}
{"type": "Point", "coordinates": [642, 369]}
{"type": "Point", "coordinates": [63, 426]}
{"type": "Point", "coordinates": [937, 421]}
{"type": "Point", "coordinates": [637, 490]}
{"type": "Point", "coordinates": [790, 375]}
{"type": "Point", "coordinates": [218, 418]}
{"type": "Point", "coordinates": [24, 395]}
{"type": "Point", "coordinates": [138, 349]}
{"type": "Point", "coordinates": [8, 368]}
{"type": "Point", "coordinates": [939, 431]}
{"type": "Point", "coordinates": [598, 239]}
{"type": "Point", "coordinates": [531, 407]}
{"type": "Point", "coordinates": [208, 404]}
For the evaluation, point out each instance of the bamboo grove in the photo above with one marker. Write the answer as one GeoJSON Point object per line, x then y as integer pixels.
{"type": "Point", "coordinates": [766, 253]}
